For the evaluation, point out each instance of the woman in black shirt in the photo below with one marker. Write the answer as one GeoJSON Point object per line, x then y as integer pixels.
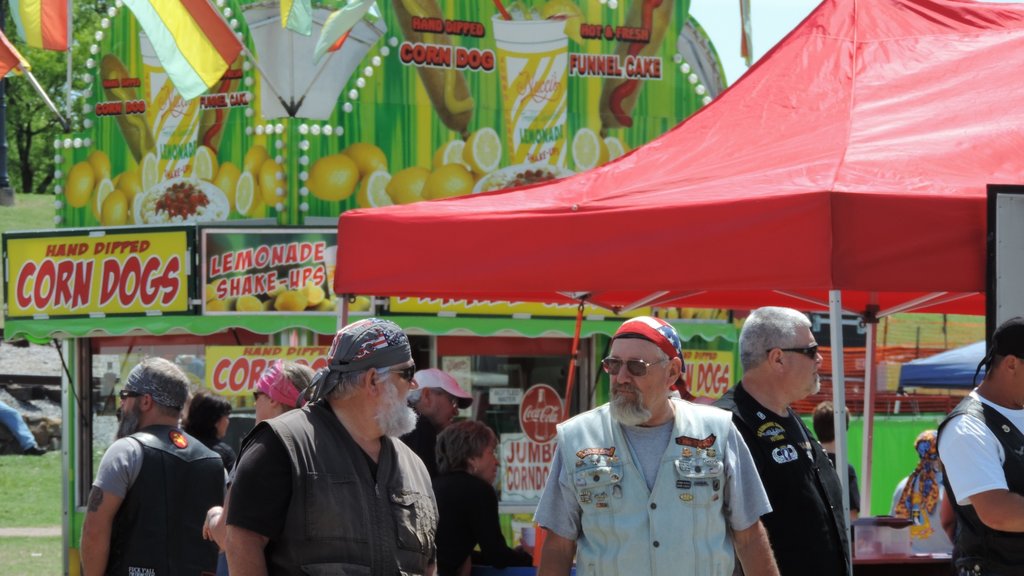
{"type": "Point", "coordinates": [467, 503]}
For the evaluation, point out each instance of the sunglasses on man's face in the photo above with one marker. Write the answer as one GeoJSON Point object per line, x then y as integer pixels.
{"type": "Point", "coordinates": [123, 394]}
{"type": "Point", "coordinates": [636, 368]}
{"type": "Point", "coordinates": [810, 351]}
{"type": "Point", "coordinates": [405, 373]}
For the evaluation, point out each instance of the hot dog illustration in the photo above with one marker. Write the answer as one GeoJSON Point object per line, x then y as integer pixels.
{"type": "Point", "coordinates": [618, 95]}
{"type": "Point", "coordinates": [211, 121]}
{"type": "Point", "coordinates": [446, 86]}
{"type": "Point", "coordinates": [134, 128]}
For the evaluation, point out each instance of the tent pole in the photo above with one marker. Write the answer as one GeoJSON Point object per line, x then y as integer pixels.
{"type": "Point", "coordinates": [343, 311]}
{"type": "Point", "coordinates": [573, 361]}
{"type": "Point", "coordinates": [868, 438]}
{"type": "Point", "coordinates": [835, 304]}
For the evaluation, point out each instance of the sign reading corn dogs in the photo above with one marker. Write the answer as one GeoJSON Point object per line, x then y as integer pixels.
{"type": "Point", "coordinates": [423, 100]}
{"type": "Point", "coordinates": [129, 272]}
{"type": "Point", "coordinates": [234, 370]}
{"type": "Point", "coordinates": [254, 271]}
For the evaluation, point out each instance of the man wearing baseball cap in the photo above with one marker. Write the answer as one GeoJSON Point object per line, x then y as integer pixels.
{"type": "Point", "coordinates": [981, 446]}
{"type": "Point", "coordinates": [328, 488]}
{"type": "Point", "coordinates": [153, 478]}
{"type": "Point", "coordinates": [436, 401]}
{"type": "Point", "coordinates": [650, 483]}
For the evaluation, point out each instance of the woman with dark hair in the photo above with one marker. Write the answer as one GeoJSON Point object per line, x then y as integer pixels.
{"type": "Point", "coordinates": [207, 420]}
{"type": "Point", "coordinates": [467, 504]}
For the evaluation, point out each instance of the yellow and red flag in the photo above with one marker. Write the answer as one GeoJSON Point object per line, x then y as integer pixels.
{"type": "Point", "coordinates": [192, 41]}
{"type": "Point", "coordinates": [297, 15]}
{"type": "Point", "coordinates": [9, 56]}
{"type": "Point", "coordinates": [42, 23]}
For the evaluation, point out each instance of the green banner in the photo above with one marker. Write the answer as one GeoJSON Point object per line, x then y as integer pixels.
{"type": "Point", "coordinates": [423, 100]}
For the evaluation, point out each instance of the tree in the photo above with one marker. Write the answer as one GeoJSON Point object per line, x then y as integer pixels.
{"type": "Point", "coordinates": [31, 126]}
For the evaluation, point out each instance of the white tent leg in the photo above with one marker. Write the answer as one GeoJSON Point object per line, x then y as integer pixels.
{"type": "Point", "coordinates": [868, 441]}
{"type": "Point", "coordinates": [835, 305]}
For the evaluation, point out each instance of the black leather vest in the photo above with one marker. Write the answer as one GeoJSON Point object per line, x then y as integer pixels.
{"type": "Point", "coordinates": [993, 551]}
{"type": "Point", "coordinates": [158, 530]}
{"type": "Point", "coordinates": [341, 521]}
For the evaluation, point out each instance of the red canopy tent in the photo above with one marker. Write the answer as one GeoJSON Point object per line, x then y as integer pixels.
{"type": "Point", "coordinates": [852, 159]}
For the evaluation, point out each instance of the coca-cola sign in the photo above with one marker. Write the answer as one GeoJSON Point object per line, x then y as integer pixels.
{"type": "Point", "coordinates": [540, 412]}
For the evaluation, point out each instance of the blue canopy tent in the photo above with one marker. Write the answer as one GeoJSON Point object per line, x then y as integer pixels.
{"type": "Point", "coordinates": [950, 369]}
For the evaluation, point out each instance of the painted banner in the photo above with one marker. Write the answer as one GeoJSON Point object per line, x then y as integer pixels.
{"type": "Point", "coordinates": [423, 100]}
{"type": "Point", "coordinates": [709, 373]}
{"type": "Point", "coordinates": [127, 272]}
{"type": "Point", "coordinates": [234, 370]}
{"type": "Point", "coordinates": [267, 271]}
{"type": "Point", "coordinates": [407, 305]}
{"type": "Point", "coordinates": [524, 467]}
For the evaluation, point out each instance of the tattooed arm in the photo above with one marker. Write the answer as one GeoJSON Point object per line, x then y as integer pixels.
{"type": "Point", "coordinates": [99, 520]}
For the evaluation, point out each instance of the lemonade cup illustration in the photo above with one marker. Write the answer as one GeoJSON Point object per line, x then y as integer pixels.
{"type": "Point", "coordinates": [533, 60]}
{"type": "Point", "coordinates": [330, 263]}
{"type": "Point", "coordinates": [173, 120]}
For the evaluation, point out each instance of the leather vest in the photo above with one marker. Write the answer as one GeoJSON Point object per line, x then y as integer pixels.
{"type": "Point", "coordinates": [341, 521]}
{"type": "Point", "coordinates": [992, 551]}
{"type": "Point", "coordinates": [677, 528]}
{"type": "Point", "coordinates": [158, 530]}
{"type": "Point", "coordinates": [803, 488]}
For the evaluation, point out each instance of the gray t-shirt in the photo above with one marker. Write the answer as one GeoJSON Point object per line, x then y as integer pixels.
{"type": "Point", "coordinates": [745, 500]}
{"type": "Point", "coordinates": [119, 467]}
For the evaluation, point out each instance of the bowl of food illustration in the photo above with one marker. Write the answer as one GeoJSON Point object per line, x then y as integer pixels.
{"type": "Point", "coordinates": [520, 175]}
{"type": "Point", "coordinates": [181, 200]}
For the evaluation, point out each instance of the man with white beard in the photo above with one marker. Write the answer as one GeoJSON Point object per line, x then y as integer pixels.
{"type": "Point", "coordinates": [328, 488]}
{"type": "Point", "coordinates": [153, 486]}
{"type": "Point", "coordinates": [649, 483]}
{"type": "Point", "coordinates": [807, 526]}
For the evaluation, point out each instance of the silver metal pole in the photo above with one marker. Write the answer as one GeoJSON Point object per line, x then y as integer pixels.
{"type": "Point", "coordinates": [835, 304]}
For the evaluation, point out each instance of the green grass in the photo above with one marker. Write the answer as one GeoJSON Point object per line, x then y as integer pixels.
{"type": "Point", "coordinates": [31, 556]}
{"type": "Point", "coordinates": [31, 486]}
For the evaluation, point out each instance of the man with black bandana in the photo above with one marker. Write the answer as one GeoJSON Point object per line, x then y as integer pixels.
{"type": "Point", "coordinates": [328, 488]}
{"type": "Point", "coordinates": [780, 359]}
{"type": "Point", "coordinates": [153, 486]}
{"type": "Point", "coordinates": [981, 446]}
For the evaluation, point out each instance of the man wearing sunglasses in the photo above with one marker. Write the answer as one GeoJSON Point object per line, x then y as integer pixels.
{"type": "Point", "coordinates": [649, 483]}
{"type": "Point", "coordinates": [329, 488]}
{"type": "Point", "coordinates": [981, 447]}
{"type": "Point", "coordinates": [153, 486]}
{"type": "Point", "coordinates": [436, 400]}
{"type": "Point", "coordinates": [807, 525]}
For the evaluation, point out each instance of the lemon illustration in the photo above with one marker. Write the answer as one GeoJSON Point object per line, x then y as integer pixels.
{"type": "Point", "coordinates": [247, 196]}
{"type": "Point", "coordinates": [588, 150]}
{"type": "Point", "coordinates": [219, 305]}
{"type": "Point", "coordinates": [80, 182]}
{"type": "Point", "coordinates": [254, 158]}
{"type": "Point", "coordinates": [325, 306]}
{"type": "Point", "coordinates": [615, 147]}
{"type": "Point", "coordinates": [204, 165]}
{"type": "Point", "coordinates": [279, 289]}
{"type": "Point", "coordinates": [248, 303]}
{"type": "Point", "coordinates": [291, 301]}
{"type": "Point", "coordinates": [483, 151]}
{"type": "Point", "coordinates": [450, 153]}
{"type": "Point", "coordinates": [150, 171]}
{"type": "Point", "coordinates": [114, 211]}
{"type": "Point", "coordinates": [210, 292]}
{"type": "Point", "coordinates": [373, 190]}
{"type": "Point", "coordinates": [271, 177]}
{"type": "Point", "coordinates": [103, 189]}
{"type": "Point", "coordinates": [567, 10]}
{"type": "Point", "coordinates": [227, 180]}
{"type": "Point", "coordinates": [314, 295]}
{"type": "Point", "coordinates": [368, 158]}
{"type": "Point", "coordinates": [333, 178]}
{"type": "Point", "coordinates": [406, 186]}
{"type": "Point", "coordinates": [448, 181]}
{"type": "Point", "coordinates": [130, 183]}
{"type": "Point", "coordinates": [100, 163]}
{"type": "Point", "coordinates": [360, 304]}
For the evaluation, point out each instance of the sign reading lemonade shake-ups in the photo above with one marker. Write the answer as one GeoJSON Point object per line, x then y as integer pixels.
{"type": "Point", "coordinates": [423, 100]}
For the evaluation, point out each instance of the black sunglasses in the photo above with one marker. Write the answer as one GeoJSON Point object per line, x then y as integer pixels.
{"type": "Point", "coordinates": [810, 351]}
{"type": "Point", "coordinates": [636, 368]}
{"type": "Point", "coordinates": [405, 373]}
{"type": "Point", "coordinates": [129, 394]}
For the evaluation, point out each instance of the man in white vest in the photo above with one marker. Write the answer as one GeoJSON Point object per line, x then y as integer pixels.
{"type": "Point", "coordinates": [649, 483]}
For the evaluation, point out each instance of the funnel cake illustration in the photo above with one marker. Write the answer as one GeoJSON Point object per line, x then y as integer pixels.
{"type": "Point", "coordinates": [308, 90]}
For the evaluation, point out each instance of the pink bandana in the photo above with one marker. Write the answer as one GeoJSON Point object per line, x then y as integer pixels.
{"type": "Point", "coordinates": [273, 383]}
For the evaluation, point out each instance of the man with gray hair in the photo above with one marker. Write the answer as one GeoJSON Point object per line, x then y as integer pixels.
{"type": "Point", "coordinates": [780, 361]}
{"type": "Point", "coordinates": [328, 488]}
{"type": "Point", "coordinates": [154, 485]}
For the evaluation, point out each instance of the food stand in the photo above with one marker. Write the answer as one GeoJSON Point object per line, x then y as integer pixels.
{"type": "Point", "coordinates": [168, 211]}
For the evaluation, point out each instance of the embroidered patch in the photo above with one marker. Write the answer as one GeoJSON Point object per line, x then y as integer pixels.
{"type": "Point", "coordinates": [581, 454]}
{"type": "Point", "coordinates": [784, 454]}
{"type": "Point", "coordinates": [771, 429]}
{"type": "Point", "coordinates": [716, 484]}
{"type": "Point", "coordinates": [712, 452]}
{"type": "Point", "coordinates": [686, 497]}
{"type": "Point", "coordinates": [695, 442]}
{"type": "Point", "coordinates": [687, 452]}
{"type": "Point", "coordinates": [761, 415]}
{"type": "Point", "coordinates": [178, 439]}
{"type": "Point", "coordinates": [585, 497]}
{"type": "Point", "coordinates": [683, 484]}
